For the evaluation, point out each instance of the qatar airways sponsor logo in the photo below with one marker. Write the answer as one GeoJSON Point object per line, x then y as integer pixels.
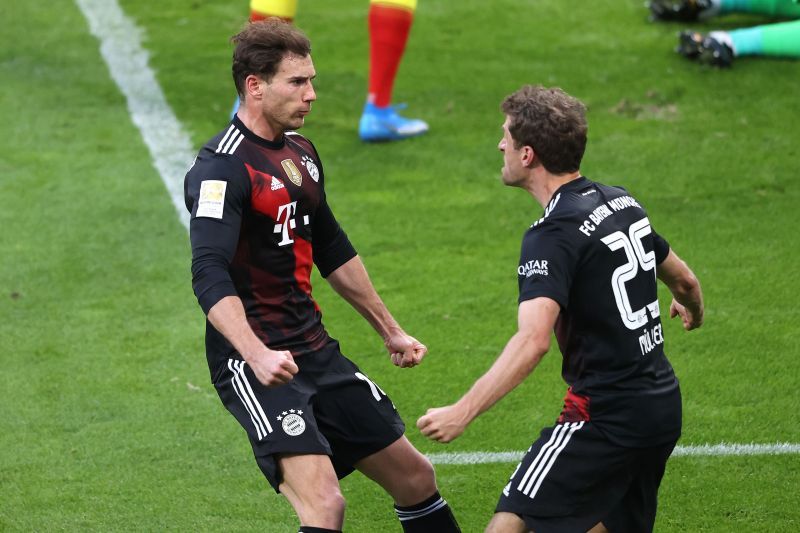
{"type": "Point", "coordinates": [534, 267]}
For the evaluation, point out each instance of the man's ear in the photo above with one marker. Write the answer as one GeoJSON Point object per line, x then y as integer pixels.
{"type": "Point", "coordinates": [528, 156]}
{"type": "Point", "coordinates": [253, 87]}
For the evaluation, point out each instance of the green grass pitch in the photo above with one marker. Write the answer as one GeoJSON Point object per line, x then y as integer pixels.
{"type": "Point", "coordinates": [109, 422]}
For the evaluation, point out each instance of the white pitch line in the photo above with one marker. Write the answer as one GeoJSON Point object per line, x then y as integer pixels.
{"type": "Point", "coordinates": [120, 46]}
{"type": "Point", "coordinates": [172, 153]}
{"type": "Point", "coordinates": [722, 449]}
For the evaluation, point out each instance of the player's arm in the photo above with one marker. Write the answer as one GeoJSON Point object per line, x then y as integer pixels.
{"type": "Point", "coordinates": [518, 359]}
{"type": "Point", "coordinates": [685, 288]}
{"type": "Point", "coordinates": [338, 262]}
{"type": "Point", "coordinates": [351, 282]}
{"type": "Point", "coordinates": [271, 367]}
{"type": "Point", "coordinates": [216, 192]}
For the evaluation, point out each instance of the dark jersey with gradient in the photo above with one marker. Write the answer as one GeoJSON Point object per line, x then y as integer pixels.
{"type": "Point", "coordinates": [595, 253]}
{"type": "Point", "coordinates": [259, 219]}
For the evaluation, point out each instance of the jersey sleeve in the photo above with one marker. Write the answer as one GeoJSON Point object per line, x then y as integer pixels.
{"type": "Point", "coordinates": [216, 192]}
{"type": "Point", "coordinates": [547, 265]}
{"type": "Point", "coordinates": [660, 247]}
{"type": "Point", "coordinates": [331, 246]}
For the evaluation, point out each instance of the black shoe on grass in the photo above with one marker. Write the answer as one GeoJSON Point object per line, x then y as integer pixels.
{"type": "Point", "coordinates": [679, 10]}
{"type": "Point", "coordinates": [705, 49]}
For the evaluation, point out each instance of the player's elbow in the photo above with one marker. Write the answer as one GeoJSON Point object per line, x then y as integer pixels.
{"type": "Point", "coordinates": [540, 344]}
{"type": "Point", "coordinates": [535, 346]}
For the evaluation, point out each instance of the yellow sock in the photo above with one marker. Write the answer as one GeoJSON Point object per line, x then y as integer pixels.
{"type": "Point", "coordinates": [264, 9]}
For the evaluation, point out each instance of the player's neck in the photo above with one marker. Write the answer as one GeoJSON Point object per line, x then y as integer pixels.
{"type": "Point", "coordinates": [547, 184]}
{"type": "Point", "coordinates": [256, 122]}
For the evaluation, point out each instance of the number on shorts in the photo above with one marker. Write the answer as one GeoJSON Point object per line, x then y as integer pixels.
{"type": "Point", "coordinates": [376, 391]}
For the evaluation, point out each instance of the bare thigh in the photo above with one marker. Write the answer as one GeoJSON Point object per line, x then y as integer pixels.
{"type": "Point", "coordinates": [506, 523]}
{"type": "Point", "coordinates": [511, 523]}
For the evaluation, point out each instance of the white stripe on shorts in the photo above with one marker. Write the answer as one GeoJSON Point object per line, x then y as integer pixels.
{"type": "Point", "coordinates": [245, 393]}
{"type": "Point", "coordinates": [544, 451]}
{"type": "Point", "coordinates": [547, 455]}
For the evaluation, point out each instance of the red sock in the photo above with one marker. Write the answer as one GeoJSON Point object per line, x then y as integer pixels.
{"type": "Point", "coordinates": [388, 32]}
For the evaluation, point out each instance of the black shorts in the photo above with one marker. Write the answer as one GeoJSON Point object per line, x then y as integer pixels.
{"type": "Point", "coordinates": [329, 408]}
{"type": "Point", "coordinates": [573, 477]}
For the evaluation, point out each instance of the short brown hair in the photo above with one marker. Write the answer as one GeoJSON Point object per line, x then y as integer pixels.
{"type": "Point", "coordinates": [551, 122]}
{"type": "Point", "coordinates": [261, 46]}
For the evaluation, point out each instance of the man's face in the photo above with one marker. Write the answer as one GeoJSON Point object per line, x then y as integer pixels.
{"type": "Point", "coordinates": [513, 171]}
{"type": "Point", "coordinates": [288, 95]}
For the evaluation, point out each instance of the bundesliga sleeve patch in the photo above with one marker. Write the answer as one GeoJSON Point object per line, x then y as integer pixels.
{"type": "Point", "coordinates": [212, 199]}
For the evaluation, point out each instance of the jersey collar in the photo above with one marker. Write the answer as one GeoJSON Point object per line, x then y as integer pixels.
{"type": "Point", "coordinates": [273, 145]}
{"type": "Point", "coordinates": [578, 183]}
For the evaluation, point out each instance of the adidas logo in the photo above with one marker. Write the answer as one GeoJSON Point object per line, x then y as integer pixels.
{"type": "Point", "coordinates": [276, 184]}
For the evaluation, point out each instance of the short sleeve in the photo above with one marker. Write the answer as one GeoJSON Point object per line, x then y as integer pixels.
{"type": "Point", "coordinates": [660, 247]}
{"type": "Point", "coordinates": [547, 265]}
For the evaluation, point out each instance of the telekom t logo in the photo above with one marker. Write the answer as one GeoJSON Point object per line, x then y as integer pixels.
{"type": "Point", "coordinates": [287, 221]}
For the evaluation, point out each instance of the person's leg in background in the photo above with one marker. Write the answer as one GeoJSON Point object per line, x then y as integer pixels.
{"type": "Point", "coordinates": [718, 48]}
{"type": "Point", "coordinates": [691, 10]}
{"type": "Point", "coordinates": [389, 26]}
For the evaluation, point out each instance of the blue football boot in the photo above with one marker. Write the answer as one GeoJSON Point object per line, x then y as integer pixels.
{"type": "Point", "coordinates": [384, 124]}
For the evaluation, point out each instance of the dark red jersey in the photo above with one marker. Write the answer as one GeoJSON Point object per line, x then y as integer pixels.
{"type": "Point", "coordinates": [259, 221]}
{"type": "Point", "coordinates": [595, 253]}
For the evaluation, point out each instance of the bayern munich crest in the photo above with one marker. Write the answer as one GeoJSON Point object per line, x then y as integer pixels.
{"type": "Point", "coordinates": [292, 423]}
{"type": "Point", "coordinates": [311, 167]}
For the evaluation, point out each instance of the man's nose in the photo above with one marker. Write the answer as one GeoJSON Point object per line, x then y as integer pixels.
{"type": "Point", "coordinates": [310, 94]}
